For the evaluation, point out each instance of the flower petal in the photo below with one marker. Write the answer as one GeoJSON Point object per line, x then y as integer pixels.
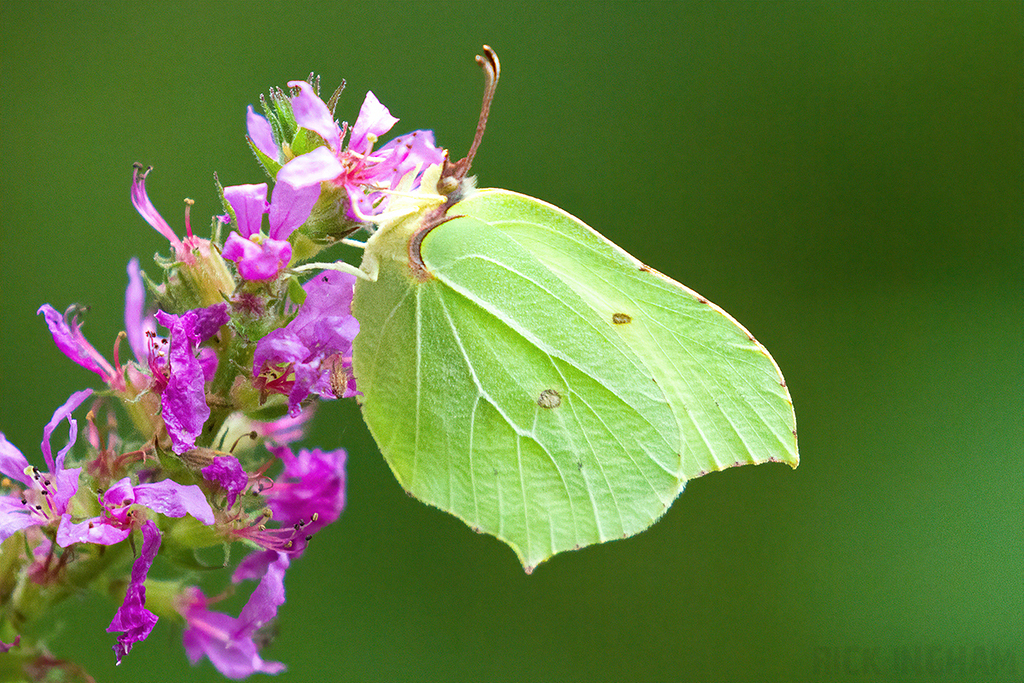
{"type": "Point", "coordinates": [14, 517]}
{"type": "Point", "coordinates": [209, 635]}
{"type": "Point", "coordinates": [306, 377]}
{"type": "Point", "coordinates": [12, 462]}
{"type": "Point", "coordinates": [312, 483]}
{"type": "Point", "coordinates": [280, 346]}
{"type": "Point", "coordinates": [412, 152]}
{"type": "Point", "coordinates": [290, 208]}
{"type": "Point", "coordinates": [311, 168]}
{"type": "Point", "coordinates": [374, 119]}
{"type": "Point", "coordinates": [209, 320]}
{"type": "Point", "coordinates": [71, 342]}
{"type": "Point", "coordinates": [261, 133]}
{"type": "Point", "coordinates": [311, 113]}
{"type": "Point", "coordinates": [142, 204]}
{"type": "Point", "coordinates": [92, 530]}
{"type": "Point", "coordinates": [227, 471]}
{"type": "Point", "coordinates": [253, 566]}
{"type": "Point", "coordinates": [183, 400]}
{"type": "Point", "coordinates": [76, 399]}
{"type": "Point", "coordinates": [249, 203]}
{"type": "Point", "coordinates": [170, 498]}
{"type": "Point", "coordinates": [322, 330]}
{"type": "Point", "coordinates": [132, 619]}
{"type": "Point", "coordinates": [135, 325]}
{"type": "Point", "coordinates": [238, 248]}
{"type": "Point", "coordinates": [119, 494]}
{"type": "Point", "coordinates": [208, 362]}
{"type": "Point", "coordinates": [67, 487]}
{"type": "Point", "coordinates": [228, 642]}
{"type": "Point", "coordinates": [286, 429]}
{"type": "Point", "coordinates": [264, 601]}
{"type": "Point", "coordinates": [267, 262]}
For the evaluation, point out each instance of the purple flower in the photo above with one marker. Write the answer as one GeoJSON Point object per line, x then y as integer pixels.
{"type": "Point", "coordinates": [308, 495]}
{"type": "Point", "coordinates": [183, 249]}
{"type": "Point", "coordinates": [67, 334]}
{"type": "Point", "coordinates": [226, 471]}
{"type": "Point", "coordinates": [311, 113]}
{"type": "Point", "coordinates": [117, 517]}
{"type": "Point", "coordinates": [366, 176]}
{"type": "Point", "coordinates": [230, 642]}
{"type": "Point", "coordinates": [178, 374]}
{"type": "Point", "coordinates": [182, 382]}
{"type": "Point", "coordinates": [46, 496]}
{"type": "Point", "coordinates": [115, 523]}
{"type": "Point", "coordinates": [312, 353]}
{"type": "Point", "coordinates": [311, 489]}
{"type": "Point", "coordinates": [259, 256]}
{"type": "Point", "coordinates": [132, 619]}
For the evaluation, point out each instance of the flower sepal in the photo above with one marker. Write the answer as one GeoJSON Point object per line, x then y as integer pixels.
{"type": "Point", "coordinates": [205, 282]}
{"type": "Point", "coordinates": [270, 165]}
{"type": "Point", "coordinates": [327, 225]}
{"type": "Point", "coordinates": [252, 404]}
{"type": "Point", "coordinates": [190, 544]}
{"type": "Point", "coordinates": [197, 275]}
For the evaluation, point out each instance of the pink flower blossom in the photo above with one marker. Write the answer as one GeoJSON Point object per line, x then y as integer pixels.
{"type": "Point", "coordinates": [261, 133]}
{"type": "Point", "coordinates": [227, 472]}
{"type": "Point", "coordinates": [118, 516]}
{"type": "Point", "coordinates": [46, 495]}
{"type": "Point", "coordinates": [182, 380]}
{"type": "Point", "coordinates": [140, 200]}
{"type": "Point", "coordinates": [67, 333]}
{"type": "Point", "coordinates": [311, 487]}
{"type": "Point", "coordinates": [311, 353]}
{"type": "Point", "coordinates": [259, 256]}
{"type": "Point", "coordinates": [365, 175]}
{"type": "Point", "coordinates": [229, 642]}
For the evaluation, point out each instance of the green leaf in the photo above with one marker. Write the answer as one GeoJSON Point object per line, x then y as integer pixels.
{"type": "Point", "coordinates": [542, 385]}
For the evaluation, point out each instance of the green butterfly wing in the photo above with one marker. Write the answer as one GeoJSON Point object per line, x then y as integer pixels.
{"type": "Point", "coordinates": [543, 388]}
{"type": "Point", "coordinates": [730, 400]}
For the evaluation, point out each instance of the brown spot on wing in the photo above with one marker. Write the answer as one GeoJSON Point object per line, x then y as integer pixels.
{"type": "Point", "coordinates": [549, 398]}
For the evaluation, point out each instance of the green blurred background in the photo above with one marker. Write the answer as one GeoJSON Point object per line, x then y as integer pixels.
{"type": "Point", "coordinates": [845, 179]}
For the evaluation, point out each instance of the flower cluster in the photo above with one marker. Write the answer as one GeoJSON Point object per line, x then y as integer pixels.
{"type": "Point", "coordinates": [188, 445]}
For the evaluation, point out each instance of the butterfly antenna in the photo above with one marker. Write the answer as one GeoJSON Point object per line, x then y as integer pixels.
{"type": "Point", "coordinates": [450, 184]}
{"type": "Point", "coordinates": [492, 71]}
